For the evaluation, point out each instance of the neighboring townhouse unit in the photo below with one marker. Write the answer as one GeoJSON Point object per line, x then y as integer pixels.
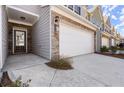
{"type": "Point", "coordinates": [47, 31]}
{"type": "Point", "coordinates": [118, 38]}
{"type": "Point", "coordinates": [95, 15]}
{"type": "Point", "coordinates": [106, 33]}
{"type": "Point", "coordinates": [122, 39]}
{"type": "Point", "coordinates": [113, 36]}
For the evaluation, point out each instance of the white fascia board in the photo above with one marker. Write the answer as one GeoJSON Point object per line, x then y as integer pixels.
{"type": "Point", "coordinates": [43, 5]}
{"type": "Point", "coordinates": [0, 36]}
{"type": "Point", "coordinates": [21, 10]}
{"type": "Point", "coordinates": [106, 34]}
{"type": "Point", "coordinates": [19, 22]}
{"type": "Point", "coordinates": [78, 18]}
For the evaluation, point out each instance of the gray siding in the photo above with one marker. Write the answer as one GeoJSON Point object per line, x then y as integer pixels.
{"type": "Point", "coordinates": [98, 41]}
{"type": "Point", "coordinates": [41, 34]}
{"type": "Point", "coordinates": [4, 35]}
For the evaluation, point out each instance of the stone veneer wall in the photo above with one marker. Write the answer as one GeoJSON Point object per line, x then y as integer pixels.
{"type": "Point", "coordinates": [55, 36]}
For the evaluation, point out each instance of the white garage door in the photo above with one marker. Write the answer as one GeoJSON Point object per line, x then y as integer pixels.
{"type": "Point", "coordinates": [113, 42]}
{"type": "Point", "coordinates": [75, 41]}
{"type": "Point", "coordinates": [105, 41]}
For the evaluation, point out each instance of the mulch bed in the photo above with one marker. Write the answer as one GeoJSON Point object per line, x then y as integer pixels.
{"type": "Point", "coordinates": [113, 55]}
{"type": "Point", "coordinates": [58, 65]}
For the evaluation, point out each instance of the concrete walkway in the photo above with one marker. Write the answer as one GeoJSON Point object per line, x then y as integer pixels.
{"type": "Point", "coordinates": [89, 71]}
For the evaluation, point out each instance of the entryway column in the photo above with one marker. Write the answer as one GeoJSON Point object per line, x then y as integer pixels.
{"type": "Point", "coordinates": [55, 37]}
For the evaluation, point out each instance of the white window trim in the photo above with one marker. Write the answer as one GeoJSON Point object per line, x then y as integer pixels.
{"type": "Point", "coordinates": [74, 10]}
{"type": "Point", "coordinates": [22, 29]}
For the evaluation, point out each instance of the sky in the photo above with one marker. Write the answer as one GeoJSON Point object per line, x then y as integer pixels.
{"type": "Point", "coordinates": [116, 15]}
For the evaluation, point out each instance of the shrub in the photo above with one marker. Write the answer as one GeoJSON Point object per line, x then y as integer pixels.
{"type": "Point", "coordinates": [104, 49]}
{"type": "Point", "coordinates": [121, 45]}
{"type": "Point", "coordinates": [113, 49]}
{"type": "Point", "coordinates": [7, 82]}
{"type": "Point", "coordinates": [62, 63]}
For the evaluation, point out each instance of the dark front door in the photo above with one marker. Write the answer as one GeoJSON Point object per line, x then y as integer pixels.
{"type": "Point", "coordinates": [19, 42]}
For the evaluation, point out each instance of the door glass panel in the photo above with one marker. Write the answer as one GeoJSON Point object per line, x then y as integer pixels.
{"type": "Point", "coordinates": [20, 38]}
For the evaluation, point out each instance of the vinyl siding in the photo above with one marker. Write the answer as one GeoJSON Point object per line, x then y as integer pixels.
{"type": "Point", "coordinates": [4, 35]}
{"type": "Point", "coordinates": [98, 41]}
{"type": "Point", "coordinates": [41, 34]}
{"type": "Point", "coordinates": [95, 19]}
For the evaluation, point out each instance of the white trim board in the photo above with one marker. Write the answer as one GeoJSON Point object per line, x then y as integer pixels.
{"type": "Point", "coordinates": [1, 36]}
{"type": "Point", "coordinates": [19, 9]}
{"type": "Point", "coordinates": [24, 11]}
{"type": "Point", "coordinates": [19, 22]}
{"type": "Point", "coordinates": [50, 32]}
{"type": "Point", "coordinates": [22, 29]}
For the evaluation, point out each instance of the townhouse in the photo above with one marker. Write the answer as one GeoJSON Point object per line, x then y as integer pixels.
{"type": "Point", "coordinates": [116, 37]}
{"type": "Point", "coordinates": [113, 36]}
{"type": "Point", "coordinates": [122, 39]}
{"type": "Point", "coordinates": [96, 17]}
{"type": "Point", "coordinates": [46, 31]}
{"type": "Point", "coordinates": [52, 31]}
{"type": "Point", "coordinates": [106, 34]}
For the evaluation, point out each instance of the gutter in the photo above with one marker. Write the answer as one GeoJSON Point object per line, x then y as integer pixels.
{"type": "Point", "coordinates": [106, 34]}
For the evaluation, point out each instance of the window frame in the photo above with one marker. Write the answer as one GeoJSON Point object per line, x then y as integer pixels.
{"type": "Point", "coordinates": [77, 9]}
{"type": "Point", "coordinates": [71, 7]}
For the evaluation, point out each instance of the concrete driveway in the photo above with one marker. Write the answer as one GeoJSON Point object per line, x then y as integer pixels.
{"type": "Point", "coordinates": [90, 70]}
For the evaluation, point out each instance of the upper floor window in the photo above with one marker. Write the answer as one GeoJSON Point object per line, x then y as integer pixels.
{"type": "Point", "coordinates": [70, 7]}
{"type": "Point", "coordinates": [77, 9]}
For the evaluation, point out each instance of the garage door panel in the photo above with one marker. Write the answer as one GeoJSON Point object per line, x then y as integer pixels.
{"type": "Point", "coordinates": [113, 42]}
{"type": "Point", "coordinates": [105, 41]}
{"type": "Point", "coordinates": [75, 41]}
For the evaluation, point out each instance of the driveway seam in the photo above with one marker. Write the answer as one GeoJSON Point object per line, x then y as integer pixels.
{"type": "Point", "coordinates": [94, 79]}
{"type": "Point", "coordinates": [23, 67]}
{"type": "Point", "coordinates": [53, 77]}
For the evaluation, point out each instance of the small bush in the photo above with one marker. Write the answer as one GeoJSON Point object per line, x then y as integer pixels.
{"type": "Point", "coordinates": [7, 82]}
{"type": "Point", "coordinates": [62, 63]}
{"type": "Point", "coordinates": [121, 45]}
{"type": "Point", "coordinates": [104, 49]}
{"type": "Point", "coordinates": [113, 49]}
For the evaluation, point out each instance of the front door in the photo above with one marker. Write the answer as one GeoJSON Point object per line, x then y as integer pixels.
{"type": "Point", "coordinates": [19, 41]}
